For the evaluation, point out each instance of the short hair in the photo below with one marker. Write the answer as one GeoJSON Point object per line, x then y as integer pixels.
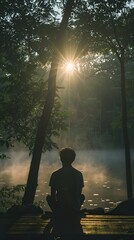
{"type": "Point", "coordinates": [67, 155]}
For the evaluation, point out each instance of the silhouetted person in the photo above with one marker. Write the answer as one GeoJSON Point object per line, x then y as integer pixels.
{"type": "Point", "coordinates": [66, 185]}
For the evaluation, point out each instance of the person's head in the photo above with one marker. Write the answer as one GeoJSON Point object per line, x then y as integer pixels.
{"type": "Point", "coordinates": [67, 156]}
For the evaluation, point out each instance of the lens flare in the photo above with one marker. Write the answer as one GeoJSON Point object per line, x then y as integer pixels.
{"type": "Point", "coordinates": [69, 67]}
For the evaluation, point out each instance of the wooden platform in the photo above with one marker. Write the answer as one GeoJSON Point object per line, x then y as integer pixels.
{"type": "Point", "coordinates": [89, 227]}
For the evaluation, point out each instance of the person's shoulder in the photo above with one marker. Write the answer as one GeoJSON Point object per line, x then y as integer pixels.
{"type": "Point", "coordinates": [77, 171]}
{"type": "Point", "coordinates": [57, 172]}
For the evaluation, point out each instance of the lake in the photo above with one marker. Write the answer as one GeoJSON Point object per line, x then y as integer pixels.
{"type": "Point", "coordinates": [103, 172]}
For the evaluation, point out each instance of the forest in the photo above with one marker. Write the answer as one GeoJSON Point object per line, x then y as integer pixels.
{"type": "Point", "coordinates": [43, 104]}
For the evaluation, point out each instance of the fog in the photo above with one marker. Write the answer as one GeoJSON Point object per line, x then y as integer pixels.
{"type": "Point", "coordinates": [103, 172]}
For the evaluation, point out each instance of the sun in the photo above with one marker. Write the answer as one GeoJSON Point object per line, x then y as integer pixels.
{"type": "Point", "coordinates": [69, 66]}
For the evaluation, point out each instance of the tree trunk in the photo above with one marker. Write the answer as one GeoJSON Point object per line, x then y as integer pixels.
{"type": "Point", "coordinates": [32, 181]}
{"type": "Point", "coordinates": [125, 130]}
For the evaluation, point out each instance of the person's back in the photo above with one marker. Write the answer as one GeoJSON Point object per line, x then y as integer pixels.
{"type": "Point", "coordinates": [66, 184]}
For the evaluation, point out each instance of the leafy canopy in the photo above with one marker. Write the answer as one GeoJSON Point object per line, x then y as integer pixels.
{"type": "Point", "coordinates": [27, 35]}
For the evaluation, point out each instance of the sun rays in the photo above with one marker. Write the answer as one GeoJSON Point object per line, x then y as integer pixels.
{"type": "Point", "coordinates": [69, 66]}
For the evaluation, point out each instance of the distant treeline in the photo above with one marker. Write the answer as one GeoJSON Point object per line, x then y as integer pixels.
{"type": "Point", "coordinates": [93, 103]}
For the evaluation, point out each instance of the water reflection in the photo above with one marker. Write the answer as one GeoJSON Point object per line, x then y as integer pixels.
{"type": "Point", "coordinates": [103, 171]}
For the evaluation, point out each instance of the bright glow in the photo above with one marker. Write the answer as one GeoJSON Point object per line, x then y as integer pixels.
{"type": "Point", "coordinates": [69, 67]}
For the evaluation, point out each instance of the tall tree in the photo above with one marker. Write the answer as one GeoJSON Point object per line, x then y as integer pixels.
{"type": "Point", "coordinates": [108, 26]}
{"type": "Point", "coordinates": [44, 120]}
{"type": "Point", "coordinates": [26, 28]}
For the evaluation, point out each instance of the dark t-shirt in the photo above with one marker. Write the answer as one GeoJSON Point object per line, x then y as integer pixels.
{"type": "Point", "coordinates": [68, 183]}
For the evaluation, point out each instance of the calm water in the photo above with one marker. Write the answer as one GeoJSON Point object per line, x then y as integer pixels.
{"type": "Point", "coordinates": [103, 172]}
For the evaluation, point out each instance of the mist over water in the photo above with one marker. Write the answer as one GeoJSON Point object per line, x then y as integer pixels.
{"type": "Point", "coordinates": [103, 172]}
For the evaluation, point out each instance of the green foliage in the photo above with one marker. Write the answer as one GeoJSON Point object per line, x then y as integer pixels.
{"type": "Point", "coordinates": [105, 26]}
{"type": "Point", "coordinates": [20, 113]}
{"type": "Point", "coordinates": [2, 156]}
{"type": "Point", "coordinates": [10, 196]}
{"type": "Point", "coordinates": [27, 32]}
{"type": "Point", "coordinates": [95, 108]}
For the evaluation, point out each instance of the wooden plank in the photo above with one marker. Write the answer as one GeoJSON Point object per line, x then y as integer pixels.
{"type": "Point", "coordinates": [110, 225]}
{"type": "Point", "coordinates": [33, 227]}
{"type": "Point", "coordinates": [29, 224]}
